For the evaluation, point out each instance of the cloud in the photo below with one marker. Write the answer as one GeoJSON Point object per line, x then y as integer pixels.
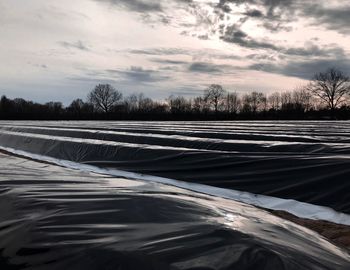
{"type": "Point", "coordinates": [160, 51]}
{"type": "Point", "coordinates": [244, 33]}
{"type": "Point", "coordinates": [254, 13]}
{"type": "Point", "coordinates": [136, 5]}
{"type": "Point", "coordinates": [314, 50]}
{"type": "Point", "coordinates": [203, 37]}
{"type": "Point", "coordinates": [74, 45]}
{"type": "Point", "coordinates": [202, 67]}
{"type": "Point", "coordinates": [336, 18]}
{"type": "Point", "coordinates": [275, 27]}
{"type": "Point", "coordinates": [302, 69]}
{"type": "Point", "coordinates": [189, 90]}
{"type": "Point", "coordinates": [133, 75]}
{"type": "Point", "coordinates": [144, 6]}
{"type": "Point", "coordinates": [272, 8]}
{"type": "Point", "coordinates": [168, 61]}
{"type": "Point", "coordinates": [139, 75]}
{"type": "Point", "coordinates": [235, 35]}
{"type": "Point", "coordinates": [274, 14]}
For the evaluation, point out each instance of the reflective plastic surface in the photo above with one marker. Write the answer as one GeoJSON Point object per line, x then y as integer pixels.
{"type": "Point", "coordinates": [58, 218]}
{"type": "Point", "coordinates": [306, 161]}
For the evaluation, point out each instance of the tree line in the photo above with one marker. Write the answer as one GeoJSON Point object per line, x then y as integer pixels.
{"type": "Point", "coordinates": [326, 96]}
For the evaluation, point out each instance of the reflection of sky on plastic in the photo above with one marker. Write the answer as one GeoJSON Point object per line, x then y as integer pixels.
{"type": "Point", "coordinates": [85, 211]}
{"type": "Point", "coordinates": [61, 50]}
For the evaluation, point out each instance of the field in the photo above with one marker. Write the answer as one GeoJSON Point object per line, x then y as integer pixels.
{"type": "Point", "coordinates": [132, 194]}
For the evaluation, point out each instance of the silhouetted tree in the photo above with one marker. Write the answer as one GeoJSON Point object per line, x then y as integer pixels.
{"type": "Point", "coordinates": [131, 103]}
{"type": "Point", "coordinates": [331, 86]}
{"type": "Point", "coordinates": [145, 104]}
{"type": "Point", "coordinates": [104, 97]}
{"type": "Point", "coordinates": [274, 101]}
{"type": "Point", "coordinates": [254, 102]}
{"type": "Point", "coordinates": [178, 104]}
{"type": "Point", "coordinates": [301, 99]}
{"type": "Point", "coordinates": [214, 95]}
{"type": "Point", "coordinates": [232, 103]}
{"type": "Point", "coordinates": [54, 108]}
{"type": "Point", "coordinates": [286, 100]}
{"type": "Point", "coordinates": [78, 107]}
{"type": "Point", "coordinates": [5, 104]}
{"type": "Point", "coordinates": [199, 105]}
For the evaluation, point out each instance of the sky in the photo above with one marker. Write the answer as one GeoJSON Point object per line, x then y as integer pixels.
{"type": "Point", "coordinates": [59, 50]}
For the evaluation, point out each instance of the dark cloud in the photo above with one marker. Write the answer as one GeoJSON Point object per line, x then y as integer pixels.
{"type": "Point", "coordinates": [134, 75]}
{"type": "Point", "coordinates": [202, 67]}
{"type": "Point", "coordinates": [276, 13]}
{"type": "Point", "coordinates": [91, 80]}
{"type": "Point", "coordinates": [139, 75]}
{"type": "Point", "coordinates": [314, 50]}
{"type": "Point", "coordinates": [189, 90]}
{"type": "Point", "coordinates": [136, 5]}
{"type": "Point", "coordinates": [273, 15]}
{"type": "Point", "coordinates": [303, 69]}
{"type": "Point", "coordinates": [254, 13]}
{"type": "Point", "coordinates": [168, 61]}
{"type": "Point", "coordinates": [233, 34]}
{"type": "Point", "coordinates": [144, 5]}
{"type": "Point", "coordinates": [203, 37]}
{"type": "Point", "coordinates": [333, 18]}
{"type": "Point", "coordinates": [272, 8]}
{"type": "Point", "coordinates": [74, 45]}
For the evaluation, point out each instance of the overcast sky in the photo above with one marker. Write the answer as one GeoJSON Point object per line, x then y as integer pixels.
{"type": "Point", "coordinates": [58, 50]}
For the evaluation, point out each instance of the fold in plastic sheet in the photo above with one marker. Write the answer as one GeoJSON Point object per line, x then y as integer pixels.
{"type": "Point", "coordinates": [304, 161]}
{"type": "Point", "coordinates": [57, 218]}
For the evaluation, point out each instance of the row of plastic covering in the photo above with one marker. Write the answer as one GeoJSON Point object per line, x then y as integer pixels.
{"type": "Point", "coordinates": [57, 218]}
{"type": "Point", "coordinates": [304, 161]}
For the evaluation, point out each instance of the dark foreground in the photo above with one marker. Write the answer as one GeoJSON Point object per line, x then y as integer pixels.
{"type": "Point", "coordinates": [57, 218]}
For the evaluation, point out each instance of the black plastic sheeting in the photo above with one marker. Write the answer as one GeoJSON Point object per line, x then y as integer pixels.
{"type": "Point", "coordinates": [306, 161]}
{"type": "Point", "coordinates": [58, 218]}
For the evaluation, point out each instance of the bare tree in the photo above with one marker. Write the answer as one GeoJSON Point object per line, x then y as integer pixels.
{"type": "Point", "coordinates": [214, 95]}
{"type": "Point", "coordinates": [232, 102]}
{"type": "Point", "coordinates": [145, 104]}
{"type": "Point", "coordinates": [302, 98]}
{"type": "Point", "coordinates": [254, 102]}
{"type": "Point", "coordinates": [331, 86]}
{"type": "Point", "coordinates": [54, 107]}
{"type": "Point", "coordinates": [199, 105]}
{"type": "Point", "coordinates": [104, 97]}
{"type": "Point", "coordinates": [76, 106]}
{"type": "Point", "coordinates": [286, 100]}
{"type": "Point", "coordinates": [274, 101]}
{"type": "Point", "coordinates": [178, 104]}
{"type": "Point", "coordinates": [131, 103]}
